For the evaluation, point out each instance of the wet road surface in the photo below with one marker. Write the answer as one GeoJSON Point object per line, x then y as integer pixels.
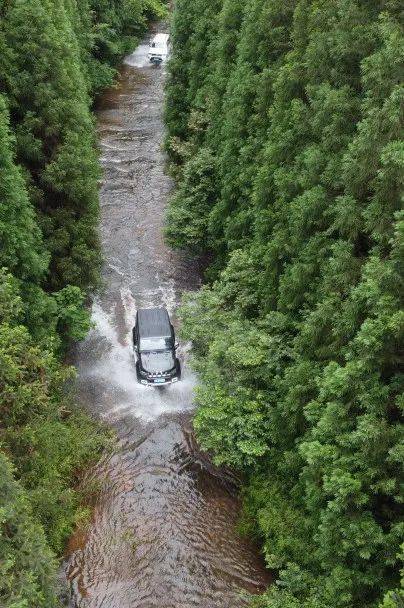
{"type": "Point", "coordinates": [163, 531]}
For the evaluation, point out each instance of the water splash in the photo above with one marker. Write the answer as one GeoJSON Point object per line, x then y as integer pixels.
{"type": "Point", "coordinates": [139, 58]}
{"type": "Point", "coordinates": [107, 364]}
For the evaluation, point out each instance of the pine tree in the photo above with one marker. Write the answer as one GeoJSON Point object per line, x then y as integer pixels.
{"type": "Point", "coordinates": [22, 249]}
{"type": "Point", "coordinates": [297, 340]}
{"type": "Point", "coordinates": [49, 105]}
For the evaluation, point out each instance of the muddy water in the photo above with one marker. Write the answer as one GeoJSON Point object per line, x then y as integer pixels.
{"type": "Point", "coordinates": [163, 531]}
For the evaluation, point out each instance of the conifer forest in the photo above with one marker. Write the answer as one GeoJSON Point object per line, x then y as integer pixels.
{"type": "Point", "coordinates": [285, 134]}
{"type": "Point", "coordinates": [284, 123]}
{"type": "Point", "coordinates": [56, 56]}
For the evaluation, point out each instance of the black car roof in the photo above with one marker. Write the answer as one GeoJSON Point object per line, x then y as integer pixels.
{"type": "Point", "coordinates": [153, 323]}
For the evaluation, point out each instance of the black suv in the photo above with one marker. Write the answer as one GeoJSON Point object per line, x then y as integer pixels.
{"type": "Point", "coordinates": [154, 346]}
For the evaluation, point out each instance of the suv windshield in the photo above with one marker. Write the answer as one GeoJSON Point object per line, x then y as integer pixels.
{"type": "Point", "coordinates": [149, 344]}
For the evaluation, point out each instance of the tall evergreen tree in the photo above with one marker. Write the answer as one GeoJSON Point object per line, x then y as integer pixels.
{"type": "Point", "coordinates": [49, 105]}
{"type": "Point", "coordinates": [22, 250]}
{"type": "Point", "coordinates": [297, 340]}
{"type": "Point", "coordinates": [54, 56]}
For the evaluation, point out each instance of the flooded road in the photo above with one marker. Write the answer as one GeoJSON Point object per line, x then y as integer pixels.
{"type": "Point", "coordinates": [163, 531]}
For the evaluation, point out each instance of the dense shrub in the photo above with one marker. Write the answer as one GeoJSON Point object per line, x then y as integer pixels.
{"type": "Point", "coordinates": [27, 566]}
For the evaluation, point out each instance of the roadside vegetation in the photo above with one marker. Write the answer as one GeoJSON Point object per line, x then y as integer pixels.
{"type": "Point", "coordinates": [285, 134]}
{"type": "Point", "coordinates": [55, 56]}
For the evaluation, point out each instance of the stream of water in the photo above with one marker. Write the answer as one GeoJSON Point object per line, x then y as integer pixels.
{"type": "Point", "coordinates": [163, 532]}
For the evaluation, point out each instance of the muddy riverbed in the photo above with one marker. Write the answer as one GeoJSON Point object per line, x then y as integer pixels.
{"type": "Point", "coordinates": [163, 531]}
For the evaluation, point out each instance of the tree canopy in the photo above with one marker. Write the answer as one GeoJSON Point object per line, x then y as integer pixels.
{"type": "Point", "coordinates": [285, 132]}
{"type": "Point", "coordinates": [55, 57]}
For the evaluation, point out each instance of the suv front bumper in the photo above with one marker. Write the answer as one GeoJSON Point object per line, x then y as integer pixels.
{"type": "Point", "coordinates": [159, 381]}
{"type": "Point", "coordinates": [150, 379]}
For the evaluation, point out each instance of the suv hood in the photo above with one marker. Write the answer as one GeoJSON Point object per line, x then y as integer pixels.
{"type": "Point", "coordinates": [161, 361]}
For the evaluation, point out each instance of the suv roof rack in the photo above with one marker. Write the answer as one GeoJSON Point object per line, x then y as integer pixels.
{"type": "Point", "coordinates": [153, 323]}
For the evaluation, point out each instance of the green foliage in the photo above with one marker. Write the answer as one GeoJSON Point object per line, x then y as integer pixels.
{"type": "Point", "coordinates": [73, 320]}
{"type": "Point", "coordinates": [186, 219]}
{"type": "Point", "coordinates": [35, 410]}
{"type": "Point", "coordinates": [55, 134]}
{"type": "Point", "coordinates": [395, 598]}
{"type": "Point", "coordinates": [55, 56]}
{"type": "Point", "coordinates": [22, 250]}
{"type": "Point", "coordinates": [298, 108]}
{"type": "Point", "coordinates": [27, 566]}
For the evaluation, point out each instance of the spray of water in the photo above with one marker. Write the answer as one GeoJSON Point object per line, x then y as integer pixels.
{"type": "Point", "coordinates": [108, 364]}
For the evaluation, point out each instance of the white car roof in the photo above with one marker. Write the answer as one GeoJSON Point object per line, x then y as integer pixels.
{"type": "Point", "coordinates": [160, 39]}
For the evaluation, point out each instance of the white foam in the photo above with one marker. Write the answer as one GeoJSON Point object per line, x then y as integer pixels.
{"type": "Point", "coordinates": [139, 58]}
{"type": "Point", "coordinates": [112, 371]}
{"type": "Point", "coordinates": [116, 269]}
{"type": "Point", "coordinates": [168, 296]}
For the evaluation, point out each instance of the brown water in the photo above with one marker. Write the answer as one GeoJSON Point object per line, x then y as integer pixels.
{"type": "Point", "coordinates": [163, 531]}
